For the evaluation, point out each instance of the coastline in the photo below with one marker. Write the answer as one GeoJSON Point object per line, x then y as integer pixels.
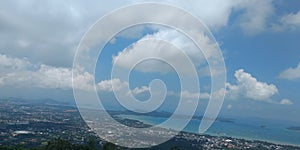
{"type": "Point", "coordinates": [258, 139]}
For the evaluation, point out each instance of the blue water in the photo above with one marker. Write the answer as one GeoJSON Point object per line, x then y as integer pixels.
{"type": "Point", "coordinates": [250, 128]}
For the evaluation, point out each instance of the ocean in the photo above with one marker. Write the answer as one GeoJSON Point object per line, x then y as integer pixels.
{"type": "Point", "coordinates": [248, 128]}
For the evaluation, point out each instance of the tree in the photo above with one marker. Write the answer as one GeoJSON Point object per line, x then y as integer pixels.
{"type": "Point", "coordinates": [92, 145]}
{"type": "Point", "coordinates": [59, 144]}
{"type": "Point", "coordinates": [109, 146]}
{"type": "Point", "coordinates": [175, 148]}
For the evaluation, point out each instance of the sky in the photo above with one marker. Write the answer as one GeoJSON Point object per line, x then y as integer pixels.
{"type": "Point", "coordinates": [258, 40]}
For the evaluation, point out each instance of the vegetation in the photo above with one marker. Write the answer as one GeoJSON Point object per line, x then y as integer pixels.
{"type": "Point", "coordinates": [60, 144]}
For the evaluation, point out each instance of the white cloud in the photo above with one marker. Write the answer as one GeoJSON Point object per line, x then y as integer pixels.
{"type": "Point", "coordinates": [256, 15]}
{"type": "Point", "coordinates": [291, 73]}
{"type": "Point", "coordinates": [249, 87]}
{"type": "Point", "coordinates": [252, 16]}
{"type": "Point", "coordinates": [44, 77]}
{"type": "Point", "coordinates": [52, 77]}
{"type": "Point", "coordinates": [47, 32]}
{"type": "Point", "coordinates": [47, 35]}
{"type": "Point", "coordinates": [288, 22]}
{"type": "Point", "coordinates": [286, 102]}
{"type": "Point", "coordinates": [21, 73]}
{"type": "Point", "coordinates": [118, 85]}
{"type": "Point", "coordinates": [292, 19]}
{"type": "Point", "coordinates": [139, 90]}
{"type": "Point", "coordinates": [189, 95]}
{"type": "Point", "coordinates": [13, 63]}
{"type": "Point", "coordinates": [214, 13]}
{"type": "Point", "coordinates": [246, 87]}
{"type": "Point", "coordinates": [158, 49]}
{"type": "Point", "coordinates": [106, 86]}
{"type": "Point", "coordinates": [83, 80]}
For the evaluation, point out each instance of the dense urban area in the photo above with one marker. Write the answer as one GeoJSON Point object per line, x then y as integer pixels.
{"type": "Point", "coordinates": [48, 124]}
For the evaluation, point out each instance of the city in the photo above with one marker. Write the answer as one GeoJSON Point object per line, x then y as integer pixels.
{"type": "Point", "coordinates": [33, 123]}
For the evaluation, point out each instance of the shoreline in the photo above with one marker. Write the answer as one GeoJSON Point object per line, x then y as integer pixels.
{"type": "Point", "coordinates": [216, 135]}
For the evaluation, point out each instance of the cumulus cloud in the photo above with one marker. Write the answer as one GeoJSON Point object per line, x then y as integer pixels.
{"type": "Point", "coordinates": [118, 85]}
{"type": "Point", "coordinates": [249, 87]}
{"type": "Point", "coordinates": [158, 49]}
{"type": "Point", "coordinates": [83, 80]}
{"type": "Point", "coordinates": [291, 73]}
{"type": "Point", "coordinates": [246, 87]}
{"type": "Point", "coordinates": [107, 86]}
{"type": "Point", "coordinates": [22, 73]}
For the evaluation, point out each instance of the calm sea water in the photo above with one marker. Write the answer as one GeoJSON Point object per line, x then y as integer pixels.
{"type": "Point", "coordinates": [250, 128]}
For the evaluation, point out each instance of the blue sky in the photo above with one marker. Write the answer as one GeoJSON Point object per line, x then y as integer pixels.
{"type": "Point", "coordinates": [258, 39]}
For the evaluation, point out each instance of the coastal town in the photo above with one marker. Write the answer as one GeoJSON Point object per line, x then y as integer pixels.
{"type": "Point", "coordinates": [34, 123]}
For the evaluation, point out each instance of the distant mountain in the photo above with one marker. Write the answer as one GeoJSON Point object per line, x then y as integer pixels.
{"type": "Point", "coordinates": [46, 101]}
